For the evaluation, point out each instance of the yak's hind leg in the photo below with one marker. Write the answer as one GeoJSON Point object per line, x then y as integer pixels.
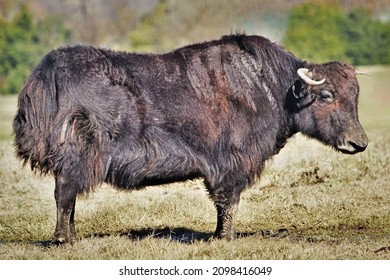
{"type": "Point", "coordinates": [80, 167]}
{"type": "Point", "coordinates": [65, 193]}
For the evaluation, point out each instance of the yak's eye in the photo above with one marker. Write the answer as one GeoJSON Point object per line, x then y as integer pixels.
{"type": "Point", "coordinates": [326, 96]}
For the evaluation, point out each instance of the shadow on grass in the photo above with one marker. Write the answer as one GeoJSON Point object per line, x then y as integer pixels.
{"type": "Point", "coordinates": [185, 235]}
{"type": "Point", "coordinates": [181, 235]}
{"type": "Point", "coordinates": [189, 236]}
{"type": "Point", "coordinates": [38, 243]}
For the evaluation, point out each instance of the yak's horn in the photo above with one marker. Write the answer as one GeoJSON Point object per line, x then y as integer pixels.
{"type": "Point", "coordinates": [304, 74]}
{"type": "Point", "coordinates": [358, 72]}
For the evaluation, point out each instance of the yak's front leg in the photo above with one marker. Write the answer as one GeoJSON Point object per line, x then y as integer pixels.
{"type": "Point", "coordinates": [226, 216]}
{"type": "Point", "coordinates": [226, 197]}
{"type": "Point", "coordinates": [65, 194]}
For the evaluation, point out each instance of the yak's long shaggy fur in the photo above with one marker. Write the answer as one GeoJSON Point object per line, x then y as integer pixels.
{"type": "Point", "coordinates": [216, 110]}
{"type": "Point", "coordinates": [136, 119]}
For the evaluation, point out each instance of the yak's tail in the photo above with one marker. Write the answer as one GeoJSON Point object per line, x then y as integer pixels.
{"type": "Point", "coordinates": [55, 131]}
{"type": "Point", "coordinates": [37, 107]}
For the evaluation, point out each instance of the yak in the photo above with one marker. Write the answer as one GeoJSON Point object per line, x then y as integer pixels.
{"type": "Point", "coordinates": [215, 110]}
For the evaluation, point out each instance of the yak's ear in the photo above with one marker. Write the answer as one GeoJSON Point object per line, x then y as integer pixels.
{"type": "Point", "coordinates": [302, 98]}
{"type": "Point", "coordinates": [297, 89]}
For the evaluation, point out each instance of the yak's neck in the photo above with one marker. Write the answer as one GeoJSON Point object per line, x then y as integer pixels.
{"type": "Point", "coordinates": [287, 76]}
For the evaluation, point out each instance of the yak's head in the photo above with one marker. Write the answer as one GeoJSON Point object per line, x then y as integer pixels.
{"type": "Point", "coordinates": [325, 99]}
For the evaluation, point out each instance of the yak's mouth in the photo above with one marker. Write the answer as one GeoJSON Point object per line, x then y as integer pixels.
{"type": "Point", "coordinates": [351, 147]}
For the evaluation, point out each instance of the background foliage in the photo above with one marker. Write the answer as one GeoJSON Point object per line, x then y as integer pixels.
{"type": "Point", "coordinates": [323, 32]}
{"type": "Point", "coordinates": [22, 43]}
{"type": "Point", "coordinates": [319, 30]}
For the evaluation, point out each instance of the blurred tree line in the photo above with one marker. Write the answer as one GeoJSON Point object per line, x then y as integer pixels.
{"type": "Point", "coordinates": [23, 42]}
{"type": "Point", "coordinates": [324, 32]}
{"type": "Point", "coordinates": [318, 31]}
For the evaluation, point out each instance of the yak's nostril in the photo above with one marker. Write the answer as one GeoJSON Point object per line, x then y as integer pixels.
{"type": "Point", "coordinates": [359, 147]}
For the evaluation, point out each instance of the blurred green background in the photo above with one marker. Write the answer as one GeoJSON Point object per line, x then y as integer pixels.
{"type": "Point", "coordinates": [354, 31]}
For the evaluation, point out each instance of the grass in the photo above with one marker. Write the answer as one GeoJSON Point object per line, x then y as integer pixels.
{"type": "Point", "coordinates": [333, 206]}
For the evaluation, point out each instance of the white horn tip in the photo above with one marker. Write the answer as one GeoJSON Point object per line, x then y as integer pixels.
{"type": "Point", "coordinates": [306, 76]}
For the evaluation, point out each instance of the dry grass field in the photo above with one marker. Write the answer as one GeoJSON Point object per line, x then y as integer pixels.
{"type": "Point", "coordinates": [310, 203]}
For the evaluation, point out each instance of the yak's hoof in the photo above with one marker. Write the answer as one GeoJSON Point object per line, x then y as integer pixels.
{"type": "Point", "coordinates": [59, 241]}
{"type": "Point", "coordinates": [229, 237]}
